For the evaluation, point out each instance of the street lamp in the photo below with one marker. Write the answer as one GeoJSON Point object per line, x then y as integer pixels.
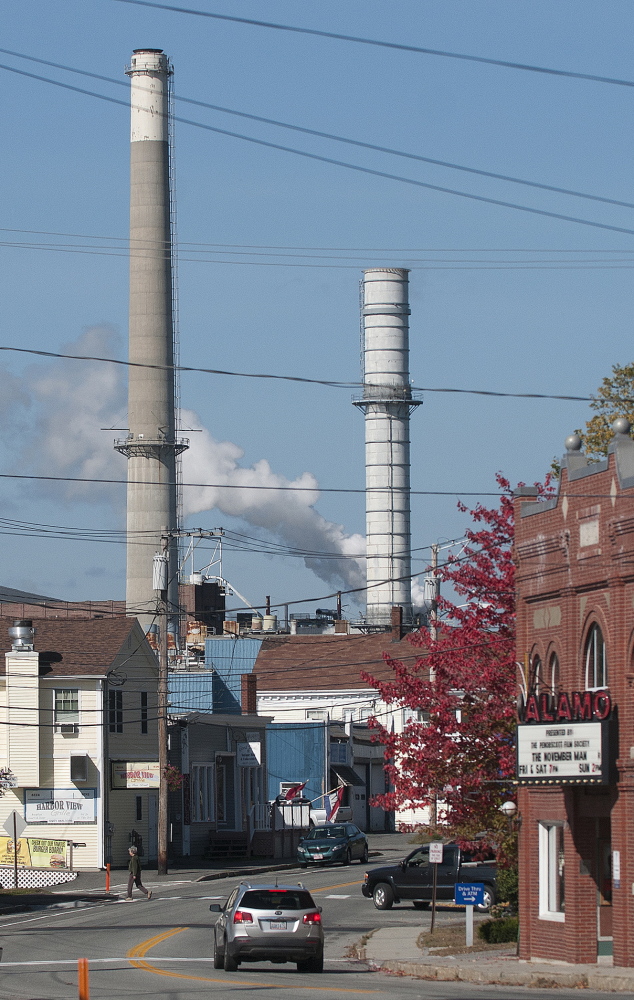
{"type": "Point", "coordinates": [509, 809]}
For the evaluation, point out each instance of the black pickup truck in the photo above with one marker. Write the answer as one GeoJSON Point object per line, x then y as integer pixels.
{"type": "Point", "coordinates": [413, 877]}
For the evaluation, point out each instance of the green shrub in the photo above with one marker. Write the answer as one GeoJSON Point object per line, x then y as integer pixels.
{"type": "Point", "coordinates": [499, 931]}
{"type": "Point", "coordinates": [506, 885]}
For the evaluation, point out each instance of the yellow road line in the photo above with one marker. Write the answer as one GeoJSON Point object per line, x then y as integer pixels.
{"type": "Point", "coordinates": [136, 954]}
{"type": "Point", "coordinates": [340, 885]}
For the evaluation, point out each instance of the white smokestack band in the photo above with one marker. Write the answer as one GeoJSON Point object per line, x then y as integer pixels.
{"type": "Point", "coordinates": [387, 403]}
{"type": "Point", "coordinates": [149, 71]}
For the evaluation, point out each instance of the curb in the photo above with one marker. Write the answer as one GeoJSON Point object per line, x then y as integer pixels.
{"type": "Point", "coordinates": [72, 904]}
{"type": "Point", "coordinates": [237, 872]}
{"type": "Point", "coordinates": [537, 979]}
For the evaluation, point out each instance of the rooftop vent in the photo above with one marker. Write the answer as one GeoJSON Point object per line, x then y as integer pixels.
{"type": "Point", "coordinates": [22, 634]}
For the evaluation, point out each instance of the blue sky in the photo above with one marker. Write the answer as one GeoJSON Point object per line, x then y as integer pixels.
{"type": "Point", "coordinates": [497, 300]}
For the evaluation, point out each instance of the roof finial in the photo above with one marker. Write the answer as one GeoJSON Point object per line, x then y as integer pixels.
{"type": "Point", "coordinates": [621, 425]}
{"type": "Point", "coordinates": [573, 442]}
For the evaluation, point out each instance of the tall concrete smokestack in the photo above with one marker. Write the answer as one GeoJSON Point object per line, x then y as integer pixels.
{"type": "Point", "coordinates": [387, 403]}
{"type": "Point", "coordinates": [151, 446]}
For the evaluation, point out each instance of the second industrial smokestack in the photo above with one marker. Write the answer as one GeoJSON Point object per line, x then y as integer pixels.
{"type": "Point", "coordinates": [151, 446]}
{"type": "Point", "coordinates": [387, 402]}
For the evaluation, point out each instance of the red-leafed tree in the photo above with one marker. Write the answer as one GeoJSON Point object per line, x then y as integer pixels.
{"type": "Point", "coordinates": [460, 758]}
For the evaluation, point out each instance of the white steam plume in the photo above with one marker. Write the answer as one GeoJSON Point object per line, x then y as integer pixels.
{"type": "Point", "coordinates": [68, 403]}
{"type": "Point", "coordinates": [286, 510]}
{"type": "Point", "coordinates": [56, 410]}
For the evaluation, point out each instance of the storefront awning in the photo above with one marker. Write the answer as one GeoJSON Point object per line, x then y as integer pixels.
{"type": "Point", "coordinates": [346, 774]}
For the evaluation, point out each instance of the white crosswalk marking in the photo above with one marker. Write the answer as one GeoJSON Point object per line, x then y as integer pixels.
{"type": "Point", "coordinates": [338, 897]}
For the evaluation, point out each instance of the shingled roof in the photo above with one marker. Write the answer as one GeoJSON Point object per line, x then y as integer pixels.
{"type": "Point", "coordinates": [327, 662]}
{"type": "Point", "coordinates": [72, 647]}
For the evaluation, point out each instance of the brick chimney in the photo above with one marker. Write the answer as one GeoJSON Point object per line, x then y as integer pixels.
{"type": "Point", "coordinates": [397, 624]}
{"type": "Point", "coordinates": [249, 694]}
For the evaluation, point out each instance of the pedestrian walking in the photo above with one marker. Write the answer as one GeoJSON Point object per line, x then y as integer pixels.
{"type": "Point", "coordinates": [134, 866]}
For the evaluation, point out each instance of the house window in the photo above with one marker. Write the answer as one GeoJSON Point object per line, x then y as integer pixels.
{"type": "Point", "coordinates": [144, 711]}
{"type": "Point", "coordinates": [66, 705]}
{"type": "Point", "coordinates": [339, 753]}
{"type": "Point", "coordinates": [115, 711]}
{"type": "Point", "coordinates": [202, 793]}
{"type": "Point", "coordinates": [552, 898]}
{"type": "Point", "coordinates": [596, 661]}
{"type": "Point", "coordinates": [316, 714]}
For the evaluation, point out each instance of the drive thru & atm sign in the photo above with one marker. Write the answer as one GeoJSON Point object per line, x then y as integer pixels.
{"type": "Point", "coordinates": [468, 894]}
{"type": "Point", "coordinates": [565, 740]}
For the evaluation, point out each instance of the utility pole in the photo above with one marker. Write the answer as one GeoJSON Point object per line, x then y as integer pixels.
{"type": "Point", "coordinates": [433, 611]}
{"type": "Point", "coordinates": [160, 585]}
{"type": "Point", "coordinates": [433, 634]}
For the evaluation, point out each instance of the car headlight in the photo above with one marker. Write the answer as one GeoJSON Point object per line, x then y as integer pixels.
{"type": "Point", "coordinates": [301, 850]}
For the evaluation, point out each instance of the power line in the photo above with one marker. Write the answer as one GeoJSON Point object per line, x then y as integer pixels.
{"type": "Point", "coordinates": [617, 263]}
{"type": "Point", "coordinates": [337, 138]}
{"type": "Point", "coordinates": [291, 489]}
{"type": "Point", "coordinates": [527, 67]}
{"type": "Point", "coordinates": [295, 378]}
{"type": "Point", "coordinates": [500, 203]}
{"type": "Point", "coordinates": [366, 250]}
{"type": "Point", "coordinates": [239, 486]}
{"type": "Point", "coordinates": [447, 265]}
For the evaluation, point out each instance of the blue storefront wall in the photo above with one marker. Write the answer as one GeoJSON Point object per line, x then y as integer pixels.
{"type": "Point", "coordinates": [190, 692]}
{"type": "Point", "coordinates": [296, 752]}
{"type": "Point", "coordinates": [216, 688]}
{"type": "Point", "coordinates": [229, 658]}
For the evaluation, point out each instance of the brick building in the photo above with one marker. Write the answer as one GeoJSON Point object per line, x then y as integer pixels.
{"type": "Point", "coordinates": [575, 624]}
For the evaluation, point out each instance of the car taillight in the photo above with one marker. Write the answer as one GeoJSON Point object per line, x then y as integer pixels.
{"type": "Point", "coordinates": [365, 877]}
{"type": "Point", "coordinates": [242, 917]}
{"type": "Point", "coordinates": [312, 918]}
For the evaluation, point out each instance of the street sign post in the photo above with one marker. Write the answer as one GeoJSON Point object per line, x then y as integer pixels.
{"type": "Point", "coordinates": [15, 825]}
{"type": "Point", "coordinates": [469, 894]}
{"type": "Point", "coordinates": [435, 859]}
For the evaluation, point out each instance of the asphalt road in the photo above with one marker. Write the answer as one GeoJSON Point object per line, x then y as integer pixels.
{"type": "Point", "coordinates": [161, 948]}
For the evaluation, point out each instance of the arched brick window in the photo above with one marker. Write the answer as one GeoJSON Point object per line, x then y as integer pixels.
{"type": "Point", "coordinates": [596, 660]}
{"type": "Point", "coordinates": [537, 674]}
{"type": "Point", "coordinates": [554, 674]}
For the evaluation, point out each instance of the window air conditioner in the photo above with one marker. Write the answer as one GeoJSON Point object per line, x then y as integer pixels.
{"type": "Point", "coordinates": [67, 728]}
{"type": "Point", "coordinates": [79, 768]}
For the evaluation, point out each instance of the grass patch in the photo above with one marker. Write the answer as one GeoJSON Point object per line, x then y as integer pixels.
{"type": "Point", "coordinates": [451, 941]}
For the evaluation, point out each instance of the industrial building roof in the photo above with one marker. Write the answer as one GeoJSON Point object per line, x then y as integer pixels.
{"type": "Point", "coordinates": [73, 647]}
{"type": "Point", "coordinates": [327, 662]}
{"type": "Point", "coordinates": [24, 596]}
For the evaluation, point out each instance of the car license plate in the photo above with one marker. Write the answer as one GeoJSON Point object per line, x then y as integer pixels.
{"type": "Point", "coordinates": [278, 925]}
{"type": "Point", "coordinates": [318, 857]}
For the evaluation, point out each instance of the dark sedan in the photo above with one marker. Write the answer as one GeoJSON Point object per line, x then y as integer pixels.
{"type": "Point", "coordinates": [333, 843]}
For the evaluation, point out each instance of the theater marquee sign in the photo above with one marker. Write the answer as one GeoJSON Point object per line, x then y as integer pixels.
{"type": "Point", "coordinates": [565, 741]}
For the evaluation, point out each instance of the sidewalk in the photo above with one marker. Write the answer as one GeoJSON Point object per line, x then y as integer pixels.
{"type": "Point", "coordinates": [395, 949]}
